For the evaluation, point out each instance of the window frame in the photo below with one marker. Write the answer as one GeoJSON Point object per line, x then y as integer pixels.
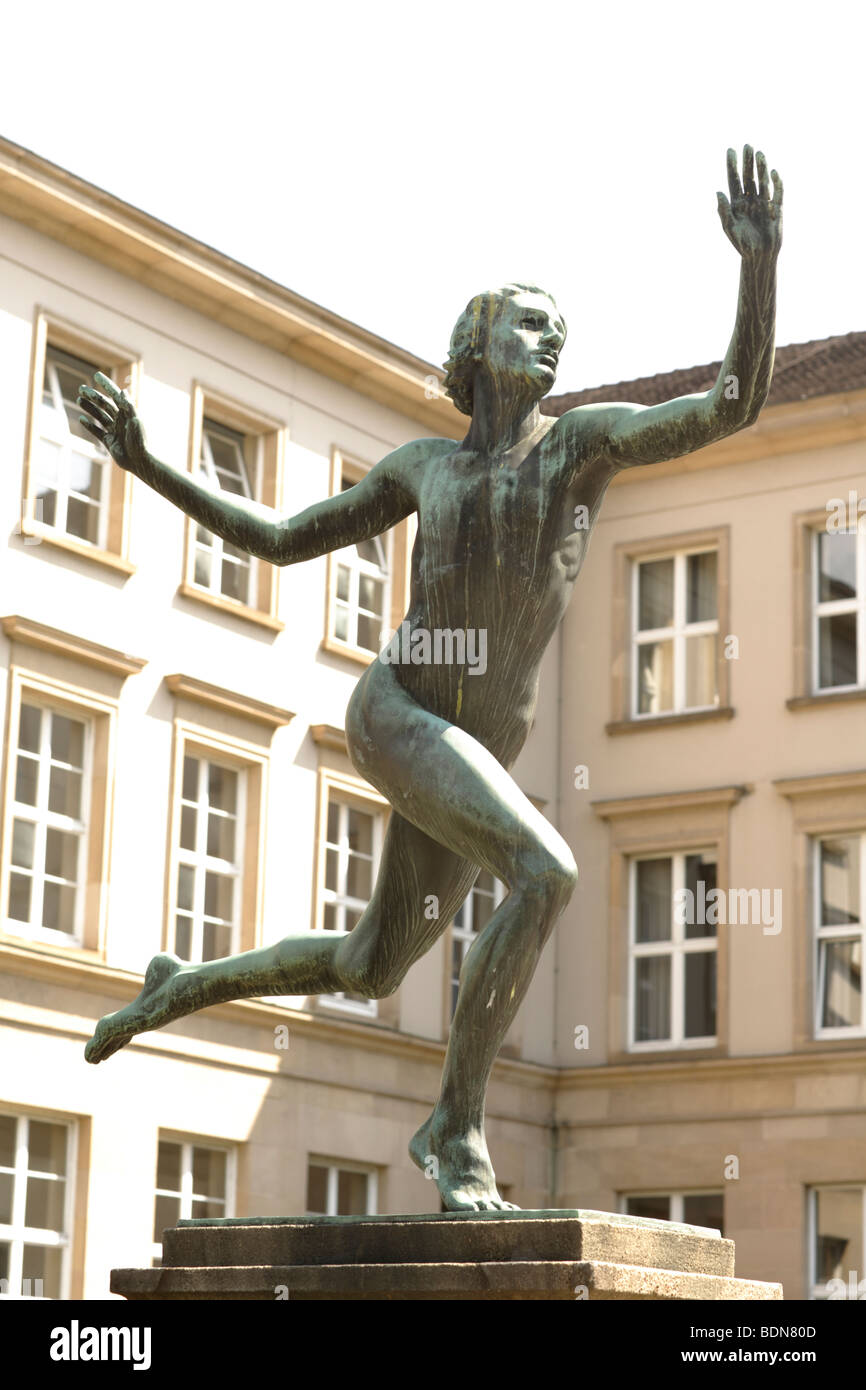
{"type": "Point", "coordinates": [264, 456]}
{"type": "Point", "coordinates": [397, 542]}
{"type": "Point", "coordinates": [253, 760]}
{"type": "Point", "coordinates": [677, 1201]}
{"type": "Point", "coordinates": [334, 1167]}
{"type": "Point", "coordinates": [67, 1242]}
{"type": "Point", "coordinates": [817, 1292]}
{"type": "Point", "coordinates": [100, 712]}
{"type": "Point", "coordinates": [123, 366]}
{"type": "Point", "coordinates": [837, 607]}
{"type": "Point", "coordinates": [831, 933]}
{"type": "Point", "coordinates": [627, 556]}
{"type": "Point", "coordinates": [188, 1143]}
{"type": "Point", "coordinates": [677, 947]}
{"type": "Point", "coordinates": [677, 633]}
{"type": "Point", "coordinates": [349, 791]}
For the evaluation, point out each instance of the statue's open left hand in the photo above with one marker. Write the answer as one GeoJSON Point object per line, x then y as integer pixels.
{"type": "Point", "coordinates": [752, 219]}
{"type": "Point", "coordinates": [112, 420]}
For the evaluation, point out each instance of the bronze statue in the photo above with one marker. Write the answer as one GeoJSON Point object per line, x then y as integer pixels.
{"type": "Point", "coordinates": [498, 550]}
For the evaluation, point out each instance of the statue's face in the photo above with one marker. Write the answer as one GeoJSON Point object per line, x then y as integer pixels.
{"type": "Point", "coordinates": [526, 338]}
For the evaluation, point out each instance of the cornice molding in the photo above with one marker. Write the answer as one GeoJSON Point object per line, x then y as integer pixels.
{"type": "Point", "coordinates": [329, 736]}
{"type": "Point", "coordinates": [669, 801]}
{"type": "Point", "coordinates": [822, 784]}
{"type": "Point", "coordinates": [229, 701]}
{"type": "Point", "coordinates": [52, 639]}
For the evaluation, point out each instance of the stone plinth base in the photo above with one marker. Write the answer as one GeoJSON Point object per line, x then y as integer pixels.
{"type": "Point", "coordinates": [455, 1255]}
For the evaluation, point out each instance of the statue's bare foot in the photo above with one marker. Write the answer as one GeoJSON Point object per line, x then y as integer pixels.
{"type": "Point", "coordinates": [154, 1006]}
{"type": "Point", "coordinates": [461, 1167]}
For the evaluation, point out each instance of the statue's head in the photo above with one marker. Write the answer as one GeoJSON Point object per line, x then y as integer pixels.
{"type": "Point", "coordinates": [515, 330]}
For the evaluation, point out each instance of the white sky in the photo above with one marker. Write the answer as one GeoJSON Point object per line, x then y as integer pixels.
{"type": "Point", "coordinates": [389, 160]}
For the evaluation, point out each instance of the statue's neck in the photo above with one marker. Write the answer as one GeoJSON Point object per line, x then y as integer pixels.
{"type": "Point", "coordinates": [504, 414]}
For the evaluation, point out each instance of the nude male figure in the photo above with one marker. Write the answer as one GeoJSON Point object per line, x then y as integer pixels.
{"type": "Point", "coordinates": [497, 549]}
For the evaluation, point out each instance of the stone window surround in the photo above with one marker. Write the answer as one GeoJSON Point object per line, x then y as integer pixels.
{"type": "Point", "coordinates": [806, 696]}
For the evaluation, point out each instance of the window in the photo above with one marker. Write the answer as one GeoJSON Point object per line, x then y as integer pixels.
{"type": "Point", "coordinates": [239, 452]}
{"type": "Point", "coordinates": [74, 495]}
{"type": "Point", "coordinates": [49, 827]}
{"type": "Point", "coordinates": [839, 607]}
{"type": "Point", "coordinates": [675, 633]}
{"type": "Point", "coordinates": [35, 1207]}
{"type": "Point", "coordinates": [692, 1208]}
{"type": "Point", "coordinates": [210, 860]}
{"type": "Point", "coordinates": [837, 1219]}
{"type": "Point", "coordinates": [486, 895]}
{"type": "Point", "coordinates": [840, 922]}
{"type": "Point", "coordinates": [361, 599]}
{"type": "Point", "coordinates": [193, 1179]}
{"type": "Point", "coordinates": [335, 1188]}
{"type": "Point", "coordinates": [352, 846]}
{"type": "Point", "coordinates": [673, 952]}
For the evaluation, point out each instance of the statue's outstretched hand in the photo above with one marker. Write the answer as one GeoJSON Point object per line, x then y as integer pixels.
{"type": "Point", "coordinates": [112, 420]}
{"type": "Point", "coordinates": [752, 219]}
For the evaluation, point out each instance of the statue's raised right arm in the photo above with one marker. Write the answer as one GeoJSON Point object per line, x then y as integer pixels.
{"type": "Point", "coordinates": [634, 434]}
{"type": "Point", "coordinates": [383, 497]}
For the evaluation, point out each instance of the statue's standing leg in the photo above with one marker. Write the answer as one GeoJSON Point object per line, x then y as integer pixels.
{"type": "Point", "coordinates": [451, 786]}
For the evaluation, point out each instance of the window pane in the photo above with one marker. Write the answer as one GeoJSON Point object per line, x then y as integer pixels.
{"type": "Point", "coordinates": [190, 779]}
{"type": "Point", "coordinates": [26, 774]}
{"type": "Point", "coordinates": [209, 1173]}
{"type": "Point", "coordinates": [166, 1214]}
{"type": "Point", "coordinates": [202, 568]}
{"type": "Point", "coordinates": [341, 624]}
{"type": "Point", "coordinates": [343, 583]}
{"type": "Point", "coordinates": [7, 1141]}
{"type": "Point", "coordinates": [19, 897]}
{"type": "Point", "coordinates": [840, 882]}
{"type": "Point", "coordinates": [840, 1233]}
{"type": "Point", "coordinates": [85, 476]}
{"type": "Point", "coordinates": [371, 551]}
{"type": "Point", "coordinates": [369, 630]}
{"type": "Point", "coordinates": [6, 1181]}
{"type": "Point", "coordinates": [842, 974]}
{"type": "Point", "coordinates": [317, 1188]}
{"type": "Point", "coordinates": [701, 685]}
{"type": "Point", "coordinates": [370, 592]}
{"type": "Point", "coordinates": [185, 887]}
{"type": "Point", "coordinates": [29, 728]}
{"type": "Point", "coordinates": [351, 1193]}
{"type": "Point", "coordinates": [219, 892]}
{"type": "Point", "coordinates": [700, 881]}
{"type": "Point", "coordinates": [58, 907]}
{"type": "Point", "coordinates": [64, 792]}
{"type": "Point", "coordinates": [67, 740]}
{"type": "Point", "coordinates": [331, 864]}
{"type": "Point", "coordinates": [483, 908]}
{"type": "Point", "coordinates": [188, 822]}
{"type": "Point", "coordinates": [700, 1021]}
{"type": "Point", "coordinates": [221, 837]}
{"type": "Point", "coordinates": [44, 1206]}
{"type": "Point", "coordinates": [704, 1209]}
{"type": "Point", "coordinates": [183, 937]}
{"type": "Point", "coordinates": [82, 520]}
{"type": "Point", "coordinates": [47, 1148]}
{"type": "Point", "coordinates": [653, 998]}
{"type": "Point", "coordinates": [360, 831]}
{"type": "Point", "coordinates": [23, 837]}
{"type": "Point", "coordinates": [44, 1263]}
{"type": "Point", "coordinates": [655, 677]}
{"type": "Point", "coordinates": [235, 580]}
{"type": "Point", "coordinates": [222, 787]}
{"type": "Point", "coordinates": [650, 1208]}
{"type": "Point", "coordinates": [359, 878]}
{"type": "Point", "coordinates": [654, 900]}
{"type": "Point", "coordinates": [837, 566]}
{"type": "Point", "coordinates": [655, 594]}
{"type": "Point", "coordinates": [61, 854]}
{"type": "Point", "coordinates": [4, 1259]}
{"type": "Point", "coordinates": [168, 1165]}
{"type": "Point", "coordinates": [701, 587]}
{"type": "Point", "coordinates": [216, 941]}
{"type": "Point", "coordinates": [837, 650]}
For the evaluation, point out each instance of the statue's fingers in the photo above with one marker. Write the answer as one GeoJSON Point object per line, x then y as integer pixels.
{"type": "Point", "coordinates": [733, 177]}
{"type": "Point", "coordinates": [749, 171]}
{"type": "Point", "coordinates": [92, 428]}
{"type": "Point", "coordinates": [726, 215]}
{"type": "Point", "coordinates": [118, 395]}
{"type": "Point", "coordinates": [778, 189]}
{"type": "Point", "coordinates": [763, 180]}
{"type": "Point", "coordinates": [97, 406]}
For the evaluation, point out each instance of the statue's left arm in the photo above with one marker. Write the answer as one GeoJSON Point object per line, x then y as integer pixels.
{"type": "Point", "coordinates": [636, 434]}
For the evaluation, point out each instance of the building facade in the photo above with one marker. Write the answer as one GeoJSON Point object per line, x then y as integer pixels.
{"type": "Point", "coordinates": [175, 777]}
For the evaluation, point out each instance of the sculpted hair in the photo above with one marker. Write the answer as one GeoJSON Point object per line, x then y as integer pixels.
{"type": "Point", "coordinates": [469, 339]}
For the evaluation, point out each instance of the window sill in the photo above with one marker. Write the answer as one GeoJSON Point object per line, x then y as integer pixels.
{"type": "Point", "coordinates": [668, 721]}
{"type": "Point", "coordinates": [227, 605]}
{"type": "Point", "coordinates": [828, 697]}
{"type": "Point", "coordinates": [358, 654]}
{"type": "Point", "coordinates": [73, 953]}
{"type": "Point", "coordinates": [666, 1053]}
{"type": "Point", "coordinates": [36, 534]}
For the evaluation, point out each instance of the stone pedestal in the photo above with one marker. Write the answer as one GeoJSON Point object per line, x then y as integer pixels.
{"type": "Point", "coordinates": [455, 1255]}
